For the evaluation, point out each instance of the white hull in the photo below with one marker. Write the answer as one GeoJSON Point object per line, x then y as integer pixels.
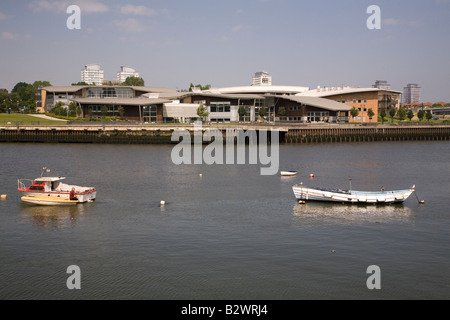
{"type": "Point", "coordinates": [288, 173]}
{"type": "Point", "coordinates": [350, 196]}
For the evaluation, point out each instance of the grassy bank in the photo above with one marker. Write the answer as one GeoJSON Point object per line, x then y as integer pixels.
{"type": "Point", "coordinates": [24, 119]}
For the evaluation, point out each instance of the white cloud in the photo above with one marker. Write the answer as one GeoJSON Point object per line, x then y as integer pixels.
{"type": "Point", "coordinates": [130, 25]}
{"type": "Point", "coordinates": [58, 6]}
{"type": "Point", "coordinates": [9, 35]}
{"type": "Point", "coordinates": [237, 28]}
{"type": "Point", "coordinates": [390, 21]}
{"type": "Point", "coordinates": [137, 10]}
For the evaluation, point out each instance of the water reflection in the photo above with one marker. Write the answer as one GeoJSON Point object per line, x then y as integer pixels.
{"type": "Point", "coordinates": [52, 217]}
{"type": "Point", "coordinates": [337, 213]}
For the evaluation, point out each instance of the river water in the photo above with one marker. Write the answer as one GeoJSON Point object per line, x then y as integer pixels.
{"type": "Point", "coordinates": [230, 233]}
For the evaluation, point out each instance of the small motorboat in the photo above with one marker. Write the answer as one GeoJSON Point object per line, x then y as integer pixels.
{"type": "Point", "coordinates": [53, 190]}
{"type": "Point", "coordinates": [288, 173]}
{"type": "Point", "coordinates": [49, 201]}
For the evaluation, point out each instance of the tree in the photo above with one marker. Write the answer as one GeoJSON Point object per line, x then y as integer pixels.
{"type": "Point", "coordinates": [121, 111]}
{"type": "Point", "coordinates": [354, 113]}
{"type": "Point", "coordinates": [81, 83]}
{"type": "Point", "coordinates": [392, 114]}
{"type": "Point", "coordinates": [202, 112]}
{"type": "Point", "coordinates": [370, 113]}
{"type": "Point", "coordinates": [242, 113]}
{"type": "Point", "coordinates": [420, 115]}
{"type": "Point", "coordinates": [72, 109]}
{"type": "Point", "coordinates": [428, 115]}
{"type": "Point", "coordinates": [134, 82]}
{"type": "Point", "coordinates": [41, 84]}
{"type": "Point", "coordinates": [191, 87]}
{"type": "Point", "coordinates": [410, 115]}
{"type": "Point", "coordinates": [26, 94]}
{"type": "Point", "coordinates": [401, 114]}
{"type": "Point", "coordinates": [282, 111]}
{"type": "Point", "coordinates": [59, 109]}
{"type": "Point", "coordinates": [262, 112]}
{"type": "Point", "coordinates": [383, 115]}
{"type": "Point", "coordinates": [104, 111]}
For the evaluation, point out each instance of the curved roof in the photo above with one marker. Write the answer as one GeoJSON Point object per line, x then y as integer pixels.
{"type": "Point", "coordinates": [121, 101]}
{"type": "Point", "coordinates": [333, 91]}
{"type": "Point", "coordinates": [322, 103]}
{"type": "Point", "coordinates": [263, 89]}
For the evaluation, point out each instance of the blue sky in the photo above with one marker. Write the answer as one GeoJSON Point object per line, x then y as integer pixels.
{"type": "Point", "coordinates": [172, 43]}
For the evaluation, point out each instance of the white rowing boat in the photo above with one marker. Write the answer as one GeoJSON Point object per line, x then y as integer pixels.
{"type": "Point", "coordinates": [350, 196]}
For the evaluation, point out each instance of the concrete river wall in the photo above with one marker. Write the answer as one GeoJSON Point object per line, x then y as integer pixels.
{"type": "Point", "coordinates": [153, 134]}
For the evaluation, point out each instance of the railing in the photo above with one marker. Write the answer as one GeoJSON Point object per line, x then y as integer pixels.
{"type": "Point", "coordinates": [21, 184]}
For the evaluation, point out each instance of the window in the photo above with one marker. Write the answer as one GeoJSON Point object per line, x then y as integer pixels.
{"type": "Point", "coordinates": [149, 113]}
{"type": "Point", "coordinates": [220, 107]}
{"type": "Point", "coordinates": [318, 116]}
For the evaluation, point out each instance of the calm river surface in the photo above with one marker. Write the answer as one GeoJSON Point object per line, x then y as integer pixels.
{"type": "Point", "coordinates": [230, 234]}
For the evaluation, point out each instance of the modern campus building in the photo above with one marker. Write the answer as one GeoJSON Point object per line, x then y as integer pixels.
{"type": "Point", "coordinates": [261, 100]}
{"type": "Point", "coordinates": [412, 93]}
{"type": "Point", "coordinates": [92, 74]}
{"type": "Point", "coordinates": [126, 72]}
{"type": "Point", "coordinates": [362, 99]}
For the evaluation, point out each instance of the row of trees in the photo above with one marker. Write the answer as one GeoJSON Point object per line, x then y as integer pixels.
{"type": "Point", "coordinates": [22, 95]}
{"type": "Point", "coordinates": [129, 82]}
{"type": "Point", "coordinates": [402, 114]}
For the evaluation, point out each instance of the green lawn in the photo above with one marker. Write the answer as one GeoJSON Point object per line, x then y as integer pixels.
{"type": "Point", "coordinates": [24, 119]}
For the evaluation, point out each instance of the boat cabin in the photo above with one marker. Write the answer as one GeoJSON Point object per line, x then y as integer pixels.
{"type": "Point", "coordinates": [46, 184]}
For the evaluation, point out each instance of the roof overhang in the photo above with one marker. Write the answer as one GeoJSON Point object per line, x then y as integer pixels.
{"type": "Point", "coordinates": [322, 103]}
{"type": "Point", "coordinates": [121, 101]}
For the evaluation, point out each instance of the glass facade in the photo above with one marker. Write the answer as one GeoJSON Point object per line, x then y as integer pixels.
{"type": "Point", "coordinates": [149, 113]}
{"type": "Point", "coordinates": [109, 93]}
{"type": "Point", "coordinates": [220, 107]}
{"type": "Point", "coordinates": [318, 116]}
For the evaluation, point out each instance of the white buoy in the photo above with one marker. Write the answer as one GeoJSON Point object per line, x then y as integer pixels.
{"type": "Point", "coordinates": [4, 196]}
{"type": "Point", "coordinates": [163, 203]}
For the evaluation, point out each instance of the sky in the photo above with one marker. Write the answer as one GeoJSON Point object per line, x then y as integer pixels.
{"type": "Point", "coordinates": [173, 43]}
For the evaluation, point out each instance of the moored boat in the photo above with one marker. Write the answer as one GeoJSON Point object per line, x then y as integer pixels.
{"type": "Point", "coordinates": [288, 173]}
{"type": "Point", "coordinates": [350, 196]}
{"type": "Point", "coordinates": [53, 189]}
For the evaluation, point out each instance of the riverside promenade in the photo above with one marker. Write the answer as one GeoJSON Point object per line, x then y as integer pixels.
{"type": "Point", "coordinates": [162, 133]}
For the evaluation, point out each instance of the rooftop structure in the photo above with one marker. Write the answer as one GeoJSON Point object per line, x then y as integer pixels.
{"type": "Point", "coordinates": [381, 84]}
{"type": "Point", "coordinates": [262, 79]}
